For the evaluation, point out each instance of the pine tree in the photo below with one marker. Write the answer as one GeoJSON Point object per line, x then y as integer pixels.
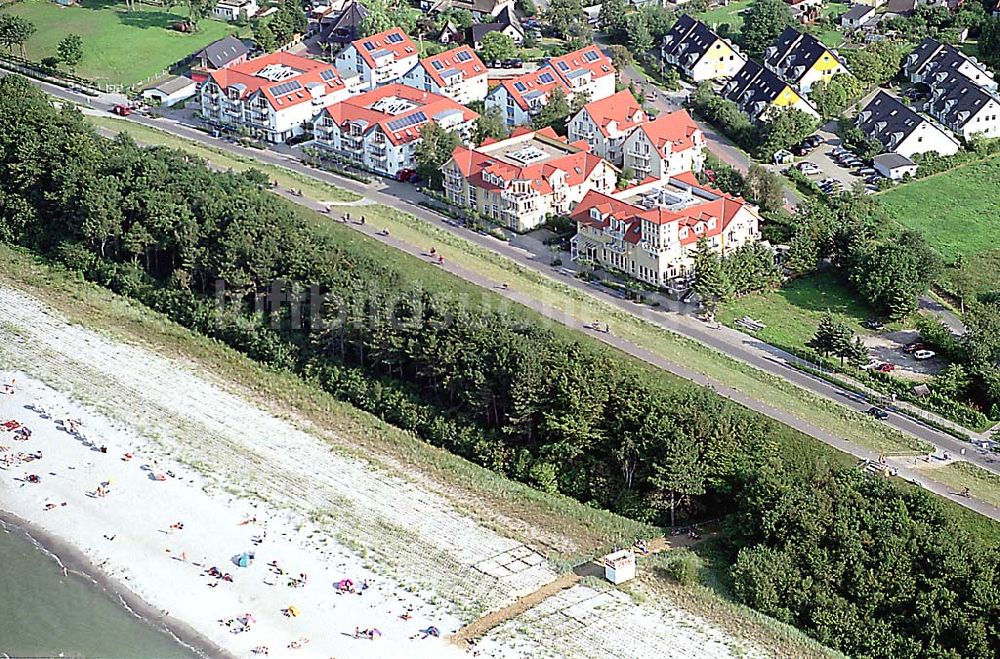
{"type": "Point", "coordinates": [711, 282]}
{"type": "Point", "coordinates": [823, 340]}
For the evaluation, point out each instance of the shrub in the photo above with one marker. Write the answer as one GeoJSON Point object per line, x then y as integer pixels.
{"type": "Point", "coordinates": [684, 566]}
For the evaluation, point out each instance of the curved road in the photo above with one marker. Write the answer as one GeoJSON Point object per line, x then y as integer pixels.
{"type": "Point", "coordinates": [735, 344]}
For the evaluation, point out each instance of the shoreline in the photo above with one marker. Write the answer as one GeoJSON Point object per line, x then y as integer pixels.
{"type": "Point", "coordinates": [75, 562]}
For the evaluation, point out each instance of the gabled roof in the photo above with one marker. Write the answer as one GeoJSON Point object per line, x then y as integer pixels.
{"type": "Point", "coordinates": [754, 88]}
{"type": "Point", "coordinates": [485, 7]}
{"type": "Point", "coordinates": [892, 160]}
{"type": "Point", "coordinates": [392, 42]}
{"type": "Point", "coordinates": [588, 59]}
{"type": "Point", "coordinates": [300, 75]}
{"type": "Point", "coordinates": [461, 63]}
{"type": "Point", "coordinates": [222, 52]}
{"type": "Point", "coordinates": [397, 110]}
{"type": "Point", "coordinates": [346, 22]}
{"type": "Point", "coordinates": [671, 132]}
{"type": "Point", "coordinates": [571, 164]}
{"type": "Point", "coordinates": [887, 120]}
{"type": "Point", "coordinates": [711, 205]}
{"type": "Point", "coordinates": [931, 57]}
{"type": "Point", "coordinates": [620, 109]}
{"type": "Point", "coordinates": [172, 85]}
{"type": "Point", "coordinates": [534, 84]}
{"type": "Point", "coordinates": [794, 53]}
{"type": "Point", "coordinates": [956, 100]}
{"type": "Point", "coordinates": [688, 40]}
{"type": "Point", "coordinates": [857, 12]}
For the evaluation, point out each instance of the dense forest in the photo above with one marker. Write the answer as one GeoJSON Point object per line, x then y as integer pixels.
{"type": "Point", "coordinates": [865, 566]}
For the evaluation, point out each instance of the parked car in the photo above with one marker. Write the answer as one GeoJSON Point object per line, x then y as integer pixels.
{"type": "Point", "coordinates": [512, 63]}
{"type": "Point", "coordinates": [886, 368]}
{"type": "Point", "coordinates": [878, 413]}
{"type": "Point", "coordinates": [651, 96]}
{"type": "Point", "coordinates": [911, 348]}
{"type": "Point", "coordinates": [802, 149]}
{"type": "Point", "coordinates": [866, 171]}
{"type": "Point", "coordinates": [122, 110]}
{"type": "Point", "coordinates": [808, 168]}
{"type": "Point", "coordinates": [872, 363]}
{"type": "Point", "coordinates": [874, 324]}
{"type": "Point", "coordinates": [923, 354]}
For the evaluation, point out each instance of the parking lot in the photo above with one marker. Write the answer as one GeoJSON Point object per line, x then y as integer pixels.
{"type": "Point", "coordinates": [822, 157]}
{"type": "Point", "coordinates": [888, 348]}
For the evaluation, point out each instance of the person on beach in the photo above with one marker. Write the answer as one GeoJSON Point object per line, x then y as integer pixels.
{"type": "Point", "coordinates": [8, 387]}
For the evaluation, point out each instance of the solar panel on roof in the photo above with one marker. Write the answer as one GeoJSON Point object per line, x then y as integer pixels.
{"type": "Point", "coordinates": [327, 74]}
{"type": "Point", "coordinates": [395, 37]}
{"type": "Point", "coordinates": [592, 56]}
{"type": "Point", "coordinates": [285, 88]}
{"type": "Point", "coordinates": [411, 120]}
{"type": "Point", "coordinates": [437, 65]}
{"type": "Point", "coordinates": [369, 45]}
{"type": "Point", "coordinates": [546, 78]}
{"type": "Point", "coordinates": [463, 56]}
{"type": "Point", "coordinates": [519, 86]}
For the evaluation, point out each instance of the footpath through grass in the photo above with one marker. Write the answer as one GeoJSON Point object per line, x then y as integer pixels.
{"type": "Point", "coordinates": [315, 190]}
{"type": "Point", "coordinates": [119, 46]}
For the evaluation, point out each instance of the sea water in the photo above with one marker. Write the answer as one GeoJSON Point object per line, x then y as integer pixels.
{"type": "Point", "coordinates": [46, 614]}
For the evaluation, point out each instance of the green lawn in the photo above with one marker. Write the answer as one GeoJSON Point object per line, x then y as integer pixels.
{"type": "Point", "coordinates": [832, 37]}
{"type": "Point", "coordinates": [957, 211]}
{"type": "Point", "coordinates": [731, 15]}
{"type": "Point", "coordinates": [119, 47]}
{"type": "Point", "coordinates": [793, 312]}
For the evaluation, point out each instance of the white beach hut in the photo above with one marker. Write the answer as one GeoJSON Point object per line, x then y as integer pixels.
{"type": "Point", "coordinates": [619, 567]}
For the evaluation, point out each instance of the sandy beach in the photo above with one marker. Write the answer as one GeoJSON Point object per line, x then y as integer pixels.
{"type": "Point", "coordinates": [240, 530]}
{"type": "Point", "coordinates": [127, 534]}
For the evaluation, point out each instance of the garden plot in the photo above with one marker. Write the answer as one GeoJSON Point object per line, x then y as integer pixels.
{"type": "Point", "coordinates": [405, 532]}
{"type": "Point", "coordinates": [587, 622]}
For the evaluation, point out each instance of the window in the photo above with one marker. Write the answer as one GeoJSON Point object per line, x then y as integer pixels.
{"type": "Point", "coordinates": [395, 37]}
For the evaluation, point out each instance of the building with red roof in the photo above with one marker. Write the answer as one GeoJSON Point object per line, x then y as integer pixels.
{"type": "Point", "coordinates": [379, 59]}
{"type": "Point", "coordinates": [605, 124]}
{"type": "Point", "coordinates": [271, 96]}
{"type": "Point", "coordinates": [665, 147]}
{"type": "Point", "coordinates": [649, 231]}
{"type": "Point", "coordinates": [586, 72]}
{"type": "Point", "coordinates": [458, 74]}
{"type": "Point", "coordinates": [380, 129]}
{"type": "Point", "coordinates": [520, 181]}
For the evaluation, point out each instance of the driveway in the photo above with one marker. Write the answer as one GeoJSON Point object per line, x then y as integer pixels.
{"type": "Point", "coordinates": [822, 158]}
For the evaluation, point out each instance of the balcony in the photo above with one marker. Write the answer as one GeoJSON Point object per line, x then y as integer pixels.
{"type": "Point", "coordinates": [638, 156]}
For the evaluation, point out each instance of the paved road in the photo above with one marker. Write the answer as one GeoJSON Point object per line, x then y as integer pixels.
{"type": "Point", "coordinates": [735, 344]}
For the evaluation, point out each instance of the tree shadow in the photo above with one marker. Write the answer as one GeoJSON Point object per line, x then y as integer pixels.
{"type": "Point", "coordinates": [149, 19]}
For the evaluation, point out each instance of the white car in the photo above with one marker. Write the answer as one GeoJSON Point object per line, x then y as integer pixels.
{"type": "Point", "coordinates": [923, 354]}
{"type": "Point", "coordinates": [808, 168]}
{"type": "Point", "coordinates": [872, 363]}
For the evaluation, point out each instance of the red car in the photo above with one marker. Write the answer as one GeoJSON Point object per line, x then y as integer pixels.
{"type": "Point", "coordinates": [122, 110]}
{"type": "Point", "coordinates": [885, 368]}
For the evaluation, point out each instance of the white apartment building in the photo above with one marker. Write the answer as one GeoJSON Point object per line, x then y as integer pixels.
{"type": "Point", "coordinates": [458, 74]}
{"type": "Point", "coordinates": [901, 130]}
{"type": "Point", "coordinates": [605, 124]}
{"type": "Point", "coordinates": [380, 129]}
{"type": "Point", "coordinates": [587, 72]}
{"type": "Point", "coordinates": [380, 59]}
{"type": "Point", "coordinates": [271, 96]}
{"type": "Point", "coordinates": [666, 147]}
{"type": "Point", "coordinates": [520, 181]}
{"type": "Point", "coordinates": [649, 232]}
